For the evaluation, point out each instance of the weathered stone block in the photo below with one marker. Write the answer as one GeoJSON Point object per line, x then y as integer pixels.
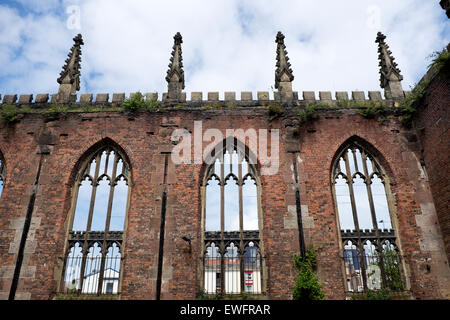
{"type": "Point", "coordinates": [375, 95]}
{"type": "Point", "coordinates": [276, 96]}
{"type": "Point", "coordinates": [196, 96]}
{"type": "Point", "coordinates": [263, 95]}
{"type": "Point", "coordinates": [102, 98]}
{"type": "Point", "coordinates": [290, 220]}
{"type": "Point", "coordinates": [325, 96]}
{"type": "Point", "coordinates": [230, 96]}
{"type": "Point", "coordinates": [358, 96]}
{"type": "Point", "coordinates": [341, 95]}
{"type": "Point", "coordinates": [6, 272]}
{"type": "Point", "coordinates": [86, 98]}
{"type": "Point", "coordinates": [213, 96]}
{"type": "Point", "coordinates": [28, 272]}
{"type": "Point", "coordinates": [42, 98]}
{"type": "Point", "coordinates": [309, 95]}
{"type": "Point", "coordinates": [118, 97]}
{"type": "Point", "coordinates": [25, 98]}
{"type": "Point", "coordinates": [10, 98]}
{"type": "Point", "coordinates": [182, 97]}
{"type": "Point", "coordinates": [246, 96]}
{"type": "Point", "coordinates": [151, 96]}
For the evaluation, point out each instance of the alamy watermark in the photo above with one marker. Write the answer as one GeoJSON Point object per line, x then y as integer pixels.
{"type": "Point", "coordinates": [374, 17]}
{"type": "Point", "coordinates": [189, 147]}
{"type": "Point", "coordinates": [74, 17]}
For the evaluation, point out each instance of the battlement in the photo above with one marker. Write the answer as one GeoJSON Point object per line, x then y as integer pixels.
{"type": "Point", "coordinates": [247, 98]}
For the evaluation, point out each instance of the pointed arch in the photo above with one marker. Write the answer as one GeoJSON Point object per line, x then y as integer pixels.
{"type": "Point", "coordinates": [85, 156]}
{"type": "Point", "coordinates": [220, 148]}
{"type": "Point", "coordinates": [361, 192]}
{"type": "Point", "coordinates": [100, 182]}
{"type": "Point", "coordinates": [231, 220]}
{"type": "Point", "coordinates": [360, 142]}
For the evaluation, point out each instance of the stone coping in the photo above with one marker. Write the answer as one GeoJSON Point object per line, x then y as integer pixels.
{"type": "Point", "coordinates": [246, 97]}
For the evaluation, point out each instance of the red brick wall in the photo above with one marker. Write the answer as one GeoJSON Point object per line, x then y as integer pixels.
{"type": "Point", "coordinates": [434, 118]}
{"type": "Point", "coordinates": [144, 138]}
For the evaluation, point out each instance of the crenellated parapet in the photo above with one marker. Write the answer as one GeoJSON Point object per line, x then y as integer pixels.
{"type": "Point", "coordinates": [244, 98]}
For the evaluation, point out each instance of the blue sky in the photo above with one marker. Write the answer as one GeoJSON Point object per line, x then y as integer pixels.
{"type": "Point", "coordinates": [228, 45]}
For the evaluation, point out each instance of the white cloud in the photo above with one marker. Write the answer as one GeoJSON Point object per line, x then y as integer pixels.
{"type": "Point", "coordinates": [228, 45]}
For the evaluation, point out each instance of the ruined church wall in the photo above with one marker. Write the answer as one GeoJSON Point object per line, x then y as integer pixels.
{"type": "Point", "coordinates": [146, 139]}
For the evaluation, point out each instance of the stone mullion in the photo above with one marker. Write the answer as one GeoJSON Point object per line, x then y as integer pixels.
{"type": "Point", "coordinates": [108, 218]}
{"type": "Point", "coordinates": [70, 242]}
{"type": "Point", "coordinates": [379, 248]}
{"type": "Point", "coordinates": [354, 160]}
{"type": "Point", "coordinates": [107, 161]}
{"type": "Point", "coordinates": [70, 245]}
{"type": "Point", "coordinates": [111, 194]}
{"type": "Point", "coordinates": [352, 196]}
{"type": "Point", "coordinates": [222, 227]}
{"type": "Point", "coordinates": [203, 225]}
{"type": "Point", "coordinates": [88, 228]}
{"type": "Point", "coordinates": [355, 219]}
{"type": "Point", "coordinates": [369, 194]}
{"type": "Point", "coordinates": [241, 225]}
{"type": "Point", "coordinates": [94, 192]}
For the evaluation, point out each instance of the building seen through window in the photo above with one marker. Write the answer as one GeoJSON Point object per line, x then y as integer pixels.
{"type": "Point", "coordinates": [370, 253]}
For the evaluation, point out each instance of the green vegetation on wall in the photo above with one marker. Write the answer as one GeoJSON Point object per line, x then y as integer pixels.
{"type": "Point", "coordinates": [9, 113]}
{"type": "Point", "coordinates": [308, 114]}
{"type": "Point", "coordinates": [137, 102]}
{"type": "Point", "coordinates": [307, 286]}
{"type": "Point", "coordinates": [409, 106]}
{"type": "Point", "coordinates": [275, 111]}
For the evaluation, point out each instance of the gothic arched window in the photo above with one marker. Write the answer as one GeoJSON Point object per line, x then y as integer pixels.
{"type": "Point", "coordinates": [232, 245]}
{"type": "Point", "coordinates": [97, 220]}
{"type": "Point", "coordinates": [371, 257]}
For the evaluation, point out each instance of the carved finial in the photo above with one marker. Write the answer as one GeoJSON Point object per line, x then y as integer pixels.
{"type": "Point", "coordinates": [175, 74]}
{"type": "Point", "coordinates": [283, 71]}
{"type": "Point", "coordinates": [390, 77]}
{"type": "Point", "coordinates": [69, 78]}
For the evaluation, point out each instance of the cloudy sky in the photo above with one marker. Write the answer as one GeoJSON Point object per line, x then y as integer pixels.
{"type": "Point", "coordinates": [227, 45]}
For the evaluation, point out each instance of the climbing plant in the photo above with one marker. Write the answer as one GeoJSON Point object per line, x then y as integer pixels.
{"type": "Point", "coordinates": [307, 286]}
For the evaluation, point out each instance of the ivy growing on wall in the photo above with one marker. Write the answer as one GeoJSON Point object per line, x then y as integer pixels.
{"type": "Point", "coordinates": [307, 286]}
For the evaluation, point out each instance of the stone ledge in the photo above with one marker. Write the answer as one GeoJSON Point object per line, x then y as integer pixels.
{"type": "Point", "coordinates": [246, 96]}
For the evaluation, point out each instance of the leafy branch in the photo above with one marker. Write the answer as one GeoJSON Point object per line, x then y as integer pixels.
{"type": "Point", "coordinates": [307, 286]}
